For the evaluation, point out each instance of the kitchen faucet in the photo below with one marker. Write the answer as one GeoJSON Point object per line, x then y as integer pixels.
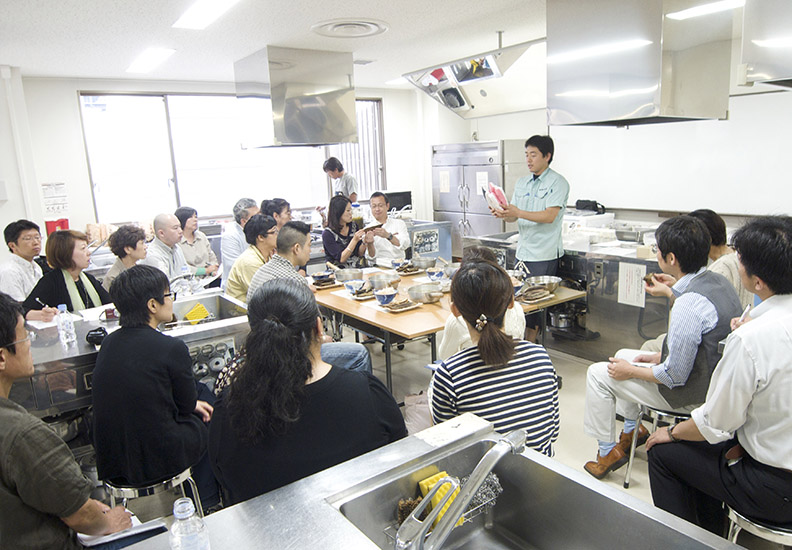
{"type": "Point", "coordinates": [412, 533]}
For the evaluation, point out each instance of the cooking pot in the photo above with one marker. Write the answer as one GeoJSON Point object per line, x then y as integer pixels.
{"type": "Point", "coordinates": [562, 319]}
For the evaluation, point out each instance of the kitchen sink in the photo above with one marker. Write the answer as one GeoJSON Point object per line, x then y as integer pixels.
{"type": "Point", "coordinates": [217, 304]}
{"type": "Point", "coordinates": [543, 505]}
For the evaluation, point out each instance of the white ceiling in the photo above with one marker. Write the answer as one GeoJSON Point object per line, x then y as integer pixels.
{"type": "Point", "coordinates": [100, 38]}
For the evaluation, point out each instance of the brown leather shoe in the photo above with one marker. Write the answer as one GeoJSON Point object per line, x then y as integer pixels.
{"type": "Point", "coordinates": [604, 464]}
{"type": "Point", "coordinates": [625, 440]}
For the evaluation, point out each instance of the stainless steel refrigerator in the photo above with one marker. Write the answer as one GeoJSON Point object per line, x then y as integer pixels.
{"type": "Point", "coordinates": [460, 174]}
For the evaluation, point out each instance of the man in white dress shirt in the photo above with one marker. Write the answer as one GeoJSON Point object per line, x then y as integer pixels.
{"type": "Point", "coordinates": [19, 273]}
{"type": "Point", "coordinates": [388, 242]}
{"type": "Point", "coordinates": [736, 448]}
{"type": "Point", "coordinates": [163, 253]}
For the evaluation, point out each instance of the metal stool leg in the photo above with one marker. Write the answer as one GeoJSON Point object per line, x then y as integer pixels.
{"type": "Point", "coordinates": [112, 500]}
{"type": "Point", "coordinates": [196, 496]}
{"type": "Point", "coordinates": [632, 450]}
{"type": "Point", "coordinates": [734, 531]}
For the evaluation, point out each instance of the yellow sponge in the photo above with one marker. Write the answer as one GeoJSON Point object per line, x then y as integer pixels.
{"type": "Point", "coordinates": [197, 313]}
{"type": "Point", "coordinates": [427, 484]}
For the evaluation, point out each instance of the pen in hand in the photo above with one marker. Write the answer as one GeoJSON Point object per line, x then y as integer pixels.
{"type": "Point", "coordinates": [745, 313]}
{"type": "Point", "coordinates": [42, 303]}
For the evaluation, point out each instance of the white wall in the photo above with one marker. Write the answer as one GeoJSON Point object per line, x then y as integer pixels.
{"type": "Point", "coordinates": [17, 169]}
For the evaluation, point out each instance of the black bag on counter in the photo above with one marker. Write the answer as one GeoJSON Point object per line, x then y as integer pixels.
{"type": "Point", "coordinates": [582, 204]}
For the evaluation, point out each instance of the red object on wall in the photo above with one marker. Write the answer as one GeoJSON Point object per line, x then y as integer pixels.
{"type": "Point", "coordinates": [57, 225]}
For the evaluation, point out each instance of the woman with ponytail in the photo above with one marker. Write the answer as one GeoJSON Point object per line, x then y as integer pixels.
{"type": "Point", "coordinates": [287, 414]}
{"type": "Point", "coordinates": [509, 382]}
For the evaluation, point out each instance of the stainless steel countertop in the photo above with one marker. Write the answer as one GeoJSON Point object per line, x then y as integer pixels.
{"type": "Point", "coordinates": [299, 515]}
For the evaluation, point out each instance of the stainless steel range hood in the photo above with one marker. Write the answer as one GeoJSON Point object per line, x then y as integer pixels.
{"type": "Point", "coordinates": [312, 91]}
{"type": "Point", "coordinates": [483, 84]}
{"type": "Point", "coordinates": [767, 42]}
{"type": "Point", "coordinates": [623, 62]}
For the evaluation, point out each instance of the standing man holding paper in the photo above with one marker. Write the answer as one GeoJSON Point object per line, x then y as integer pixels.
{"type": "Point", "coordinates": [538, 207]}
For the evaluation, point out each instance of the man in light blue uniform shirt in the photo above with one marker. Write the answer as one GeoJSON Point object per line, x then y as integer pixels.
{"type": "Point", "coordinates": [538, 206]}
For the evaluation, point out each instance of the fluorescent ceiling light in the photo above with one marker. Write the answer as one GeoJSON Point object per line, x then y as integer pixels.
{"type": "Point", "coordinates": [397, 81]}
{"type": "Point", "coordinates": [597, 51]}
{"type": "Point", "coordinates": [608, 94]}
{"type": "Point", "coordinates": [149, 59]}
{"type": "Point", "coordinates": [706, 9]}
{"type": "Point", "coordinates": [203, 13]}
{"type": "Point", "coordinates": [785, 42]}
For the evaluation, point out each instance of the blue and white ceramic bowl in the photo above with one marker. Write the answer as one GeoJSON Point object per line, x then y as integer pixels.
{"type": "Point", "coordinates": [434, 273]}
{"type": "Point", "coordinates": [321, 275]}
{"type": "Point", "coordinates": [385, 295]}
{"type": "Point", "coordinates": [396, 264]}
{"type": "Point", "coordinates": [354, 285]}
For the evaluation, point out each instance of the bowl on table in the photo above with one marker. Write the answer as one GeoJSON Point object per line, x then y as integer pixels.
{"type": "Point", "coordinates": [322, 275]}
{"type": "Point", "coordinates": [379, 281]}
{"type": "Point", "coordinates": [426, 293]}
{"type": "Point", "coordinates": [518, 274]}
{"type": "Point", "coordinates": [423, 263]}
{"type": "Point", "coordinates": [385, 295]}
{"type": "Point", "coordinates": [434, 273]}
{"type": "Point", "coordinates": [451, 269]}
{"type": "Point", "coordinates": [548, 282]}
{"type": "Point", "coordinates": [354, 286]}
{"type": "Point", "coordinates": [344, 275]}
{"type": "Point", "coordinates": [396, 264]}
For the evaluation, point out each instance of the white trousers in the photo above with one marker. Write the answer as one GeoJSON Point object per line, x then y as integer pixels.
{"type": "Point", "coordinates": [606, 396]}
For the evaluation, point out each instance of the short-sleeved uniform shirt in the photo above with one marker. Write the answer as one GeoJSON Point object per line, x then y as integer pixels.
{"type": "Point", "coordinates": [345, 185]}
{"type": "Point", "coordinates": [540, 242]}
{"type": "Point", "coordinates": [39, 483]}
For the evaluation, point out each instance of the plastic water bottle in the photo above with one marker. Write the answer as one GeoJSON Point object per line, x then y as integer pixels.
{"type": "Point", "coordinates": [66, 332]}
{"type": "Point", "coordinates": [188, 531]}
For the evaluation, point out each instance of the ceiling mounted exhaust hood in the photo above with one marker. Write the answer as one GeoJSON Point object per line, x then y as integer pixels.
{"type": "Point", "coordinates": [622, 62]}
{"type": "Point", "coordinates": [484, 84]}
{"type": "Point", "coordinates": [312, 91]}
{"type": "Point", "coordinates": [767, 42]}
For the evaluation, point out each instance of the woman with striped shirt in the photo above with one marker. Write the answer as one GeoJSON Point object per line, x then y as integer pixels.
{"type": "Point", "coordinates": [509, 382]}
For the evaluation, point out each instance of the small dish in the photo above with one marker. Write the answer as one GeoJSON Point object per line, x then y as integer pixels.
{"type": "Point", "coordinates": [321, 275]}
{"type": "Point", "coordinates": [396, 264]}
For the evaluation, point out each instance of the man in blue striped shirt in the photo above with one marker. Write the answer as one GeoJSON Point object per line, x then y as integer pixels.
{"type": "Point", "coordinates": [679, 376]}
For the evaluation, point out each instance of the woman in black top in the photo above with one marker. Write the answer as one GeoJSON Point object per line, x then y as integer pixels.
{"type": "Point", "coordinates": [287, 414]}
{"type": "Point", "coordinates": [68, 254]}
{"type": "Point", "coordinates": [342, 238]}
{"type": "Point", "coordinates": [148, 421]}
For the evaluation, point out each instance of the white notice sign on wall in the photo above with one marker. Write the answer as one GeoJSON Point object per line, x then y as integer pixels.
{"type": "Point", "coordinates": [482, 181]}
{"type": "Point", "coordinates": [445, 182]}
{"type": "Point", "coordinates": [631, 284]}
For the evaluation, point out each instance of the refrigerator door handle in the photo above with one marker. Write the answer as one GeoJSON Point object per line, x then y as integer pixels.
{"type": "Point", "coordinates": [467, 229]}
{"type": "Point", "coordinates": [460, 196]}
{"type": "Point", "coordinates": [467, 195]}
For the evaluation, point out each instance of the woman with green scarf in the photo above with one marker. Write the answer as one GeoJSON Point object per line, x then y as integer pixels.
{"type": "Point", "coordinates": [68, 254]}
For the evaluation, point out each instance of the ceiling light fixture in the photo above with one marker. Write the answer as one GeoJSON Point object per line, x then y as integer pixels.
{"type": "Point", "coordinates": [706, 9]}
{"type": "Point", "coordinates": [350, 28]}
{"type": "Point", "coordinates": [785, 42]}
{"type": "Point", "coordinates": [396, 81]}
{"type": "Point", "coordinates": [149, 60]}
{"type": "Point", "coordinates": [203, 13]}
{"type": "Point", "coordinates": [598, 51]}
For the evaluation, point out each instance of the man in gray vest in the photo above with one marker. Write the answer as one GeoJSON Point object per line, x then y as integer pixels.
{"type": "Point", "coordinates": [678, 377]}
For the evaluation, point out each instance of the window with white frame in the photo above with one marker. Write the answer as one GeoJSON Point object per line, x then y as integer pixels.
{"type": "Point", "coordinates": [148, 154]}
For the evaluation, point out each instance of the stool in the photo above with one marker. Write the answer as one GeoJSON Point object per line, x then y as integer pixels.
{"type": "Point", "coordinates": [656, 416]}
{"type": "Point", "coordinates": [771, 533]}
{"type": "Point", "coordinates": [126, 493]}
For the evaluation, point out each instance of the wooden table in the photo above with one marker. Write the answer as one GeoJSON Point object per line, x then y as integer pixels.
{"type": "Point", "coordinates": [426, 320]}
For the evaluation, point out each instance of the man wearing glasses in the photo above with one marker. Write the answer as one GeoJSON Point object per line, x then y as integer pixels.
{"type": "Point", "coordinates": [19, 273]}
{"type": "Point", "coordinates": [44, 497]}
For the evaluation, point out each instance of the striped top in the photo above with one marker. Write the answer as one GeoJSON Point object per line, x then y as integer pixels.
{"type": "Point", "coordinates": [520, 394]}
